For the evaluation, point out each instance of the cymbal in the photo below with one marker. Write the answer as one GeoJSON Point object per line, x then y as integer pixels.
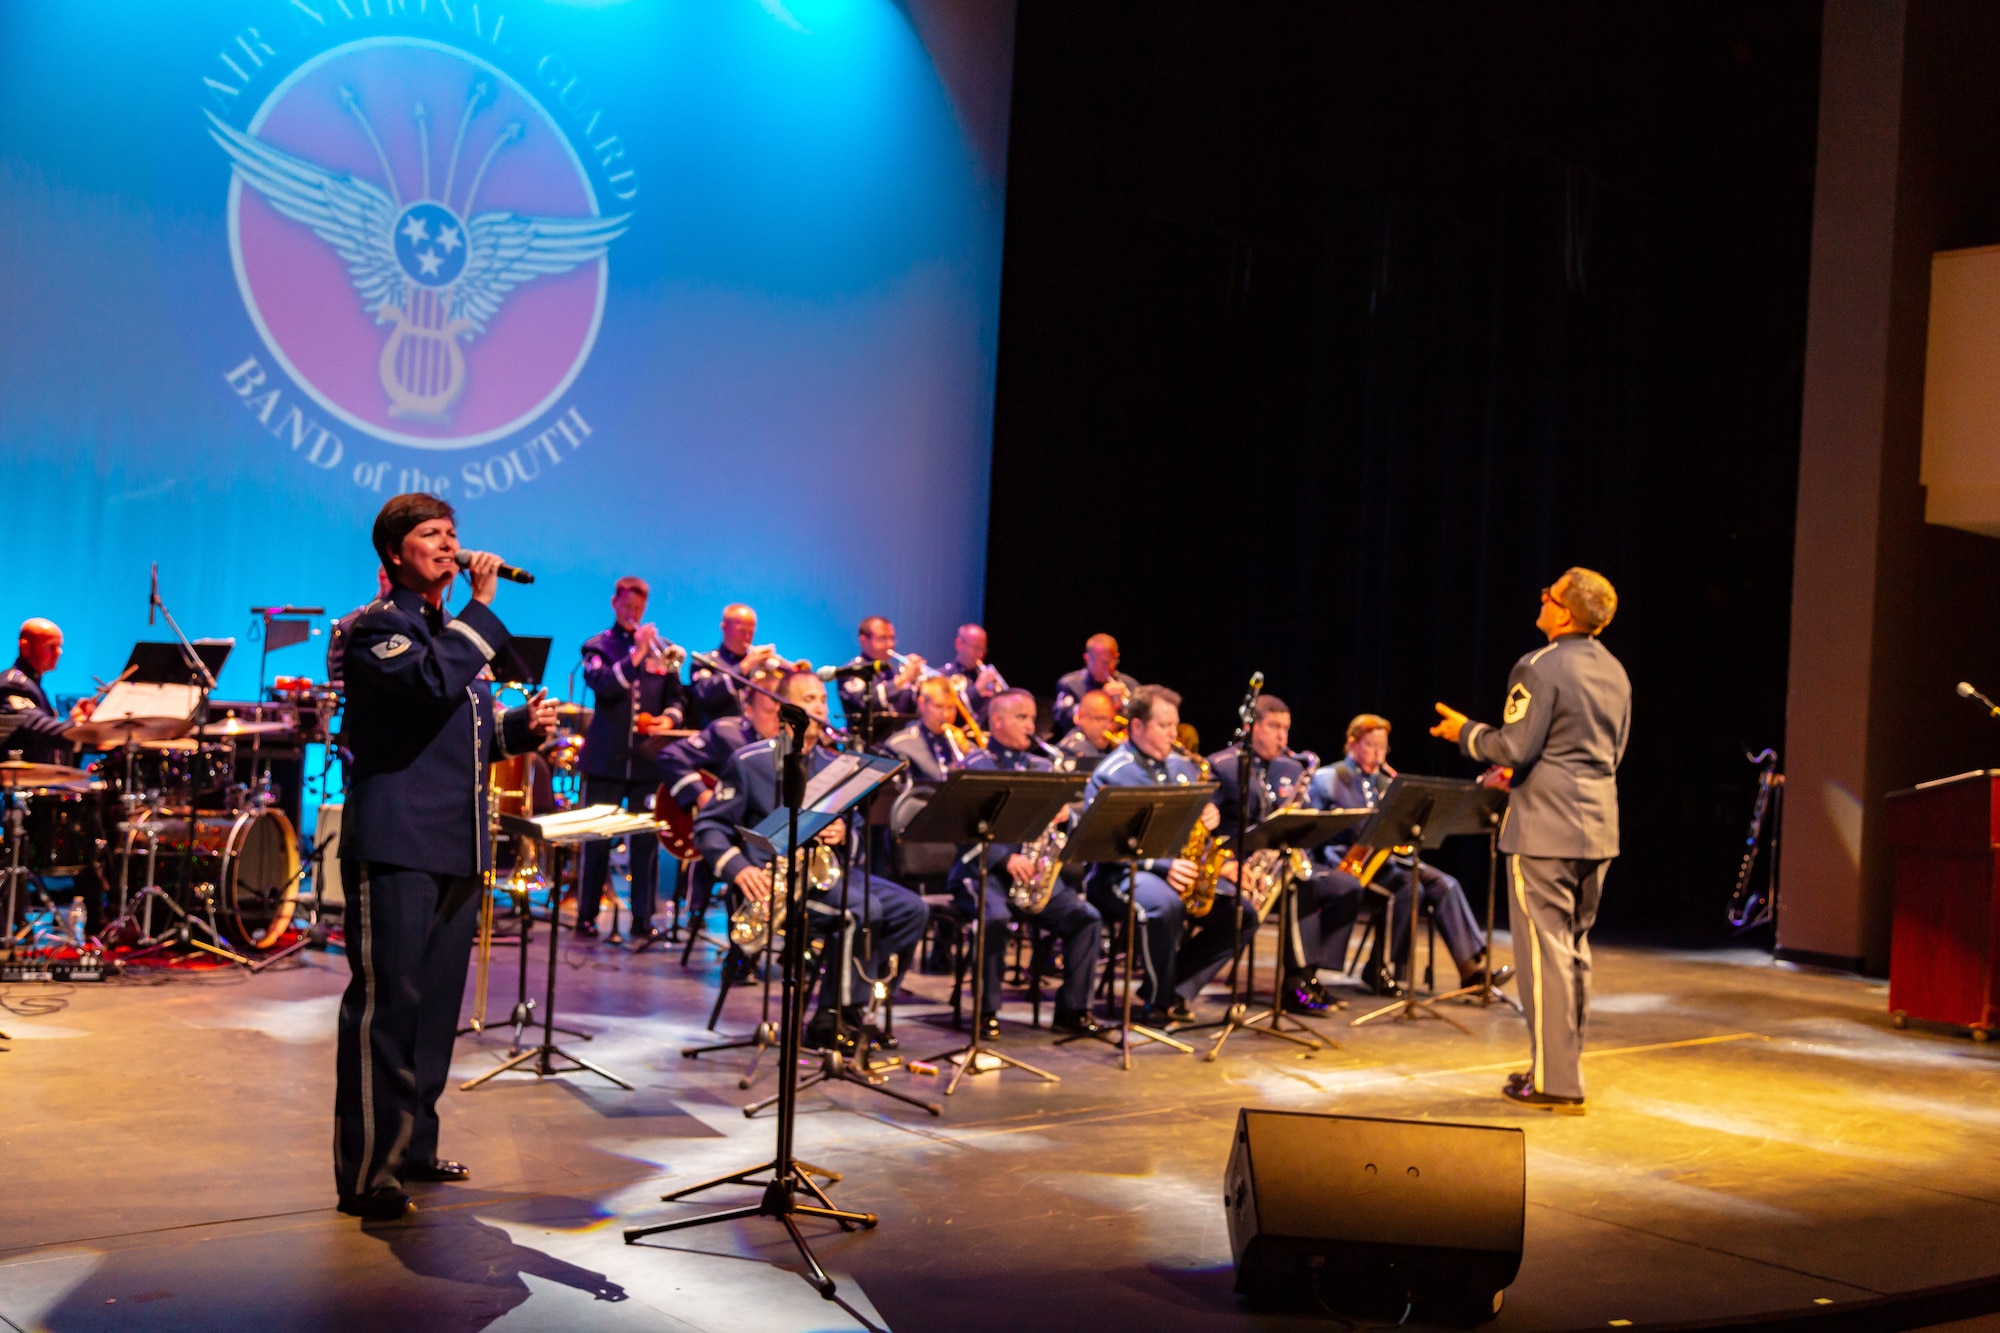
{"type": "Point", "coordinates": [180, 743]}
{"type": "Point", "coordinates": [22, 773]}
{"type": "Point", "coordinates": [236, 726]}
{"type": "Point", "coordinates": [111, 732]}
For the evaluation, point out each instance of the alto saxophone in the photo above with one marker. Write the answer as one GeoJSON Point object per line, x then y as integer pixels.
{"type": "Point", "coordinates": [1209, 852]}
{"type": "Point", "coordinates": [753, 923]}
{"type": "Point", "coordinates": [1029, 896]}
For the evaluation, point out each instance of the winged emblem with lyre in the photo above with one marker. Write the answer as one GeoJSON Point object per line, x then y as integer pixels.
{"type": "Point", "coordinates": [436, 271]}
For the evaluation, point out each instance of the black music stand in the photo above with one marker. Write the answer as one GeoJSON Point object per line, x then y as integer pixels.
{"type": "Point", "coordinates": [789, 1177]}
{"type": "Point", "coordinates": [1482, 813]}
{"type": "Point", "coordinates": [545, 1052]}
{"type": "Point", "coordinates": [1127, 825]}
{"type": "Point", "coordinates": [982, 808]}
{"type": "Point", "coordinates": [1416, 812]}
{"type": "Point", "coordinates": [523, 660]}
{"type": "Point", "coordinates": [1287, 832]}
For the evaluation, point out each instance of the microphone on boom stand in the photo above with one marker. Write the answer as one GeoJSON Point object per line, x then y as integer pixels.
{"type": "Point", "coordinates": [1965, 691]}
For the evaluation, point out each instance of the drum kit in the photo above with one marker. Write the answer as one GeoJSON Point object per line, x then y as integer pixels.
{"type": "Point", "coordinates": [167, 828]}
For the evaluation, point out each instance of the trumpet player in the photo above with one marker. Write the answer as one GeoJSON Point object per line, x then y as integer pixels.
{"type": "Point", "coordinates": [1099, 672]}
{"type": "Point", "coordinates": [1088, 740]}
{"type": "Point", "coordinates": [715, 695]}
{"type": "Point", "coordinates": [1011, 747]}
{"type": "Point", "coordinates": [893, 685]}
{"type": "Point", "coordinates": [1358, 782]}
{"type": "Point", "coordinates": [638, 693]}
{"type": "Point", "coordinates": [748, 791]}
{"type": "Point", "coordinates": [977, 681]}
{"type": "Point", "coordinates": [933, 744]}
{"type": "Point", "coordinates": [1326, 905]}
{"type": "Point", "coordinates": [1173, 972]}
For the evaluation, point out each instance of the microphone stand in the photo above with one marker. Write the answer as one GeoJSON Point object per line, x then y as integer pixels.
{"type": "Point", "coordinates": [789, 1178]}
{"type": "Point", "coordinates": [204, 681]}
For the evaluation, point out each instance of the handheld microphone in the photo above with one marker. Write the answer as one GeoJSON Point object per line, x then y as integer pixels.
{"type": "Point", "coordinates": [463, 559]}
{"type": "Point", "coordinates": [1965, 691]}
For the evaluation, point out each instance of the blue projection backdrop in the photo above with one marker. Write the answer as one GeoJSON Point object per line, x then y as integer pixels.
{"type": "Point", "coordinates": [702, 290]}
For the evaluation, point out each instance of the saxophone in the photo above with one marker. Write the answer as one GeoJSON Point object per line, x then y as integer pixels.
{"type": "Point", "coordinates": [1262, 875]}
{"type": "Point", "coordinates": [753, 923]}
{"type": "Point", "coordinates": [1209, 853]}
{"type": "Point", "coordinates": [1029, 896]}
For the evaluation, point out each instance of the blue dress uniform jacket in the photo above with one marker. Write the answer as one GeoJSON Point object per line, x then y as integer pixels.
{"type": "Point", "coordinates": [1343, 786]}
{"type": "Point", "coordinates": [888, 698]}
{"type": "Point", "coordinates": [713, 694]}
{"type": "Point", "coordinates": [1273, 782]}
{"type": "Point", "coordinates": [38, 736]}
{"type": "Point", "coordinates": [931, 754]}
{"type": "Point", "coordinates": [1129, 766]}
{"type": "Point", "coordinates": [1070, 691]}
{"type": "Point", "coordinates": [420, 724]}
{"type": "Point", "coordinates": [682, 763]}
{"type": "Point", "coordinates": [618, 686]}
{"type": "Point", "coordinates": [1563, 731]}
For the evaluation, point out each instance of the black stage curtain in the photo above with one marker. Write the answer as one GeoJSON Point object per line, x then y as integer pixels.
{"type": "Point", "coordinates": [1331, 333]}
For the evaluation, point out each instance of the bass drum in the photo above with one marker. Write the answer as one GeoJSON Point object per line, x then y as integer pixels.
{"type": "Point", "coordinates": [251, 860]}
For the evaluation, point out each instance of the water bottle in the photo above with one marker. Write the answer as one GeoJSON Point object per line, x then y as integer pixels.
{"type": "Point", "coordinates": [78, 922]}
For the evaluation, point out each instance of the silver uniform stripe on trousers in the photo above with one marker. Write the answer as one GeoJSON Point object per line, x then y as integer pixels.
{"type": "Point", "coordinates": [1534, 966]}
{"type": "Point", "coordinates": [367, 1042]}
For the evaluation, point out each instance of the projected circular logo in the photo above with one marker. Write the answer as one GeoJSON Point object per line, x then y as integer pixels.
{"type": "Point", "coordinates": [417, 242]}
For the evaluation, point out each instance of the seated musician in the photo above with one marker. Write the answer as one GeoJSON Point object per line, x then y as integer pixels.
{"type": "Point", "coordinates": [637, 695]}
{"type": "Point", "coordinates": [38, 733]}
{"type": "Point", "coordinates": [1087, 740]}
{"type": "Point", "coordinates": [894, 688]}
{"type": "Point", "coordinates": [690, 768]}
{"type": "Point", "coordinates": [932, 744]}
{"type": "Point", "coordinates": [747, 793]}
{"type": "Point", "coordinates": [1327, 905]}
{"type": "Point", "coordinates": [712, 694]}
{"type": "Point", "coordinates": [1359, 782]}
{"type": "Point", "coordinates": [1012, 748]}
{"type": "Point", "coordinates": [976, 680]}
{"type": "Point", "coordinates": [1173, 973]}
{"type": "Point", "coordinates": [1099, 672]}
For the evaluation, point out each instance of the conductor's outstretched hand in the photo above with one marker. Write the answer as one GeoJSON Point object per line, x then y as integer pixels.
{"type": "Point", "coordinates": [1450, 723]}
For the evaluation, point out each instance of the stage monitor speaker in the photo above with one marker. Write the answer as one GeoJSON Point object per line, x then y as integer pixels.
{"type": "Point", "coordinates": [1363, 1215]}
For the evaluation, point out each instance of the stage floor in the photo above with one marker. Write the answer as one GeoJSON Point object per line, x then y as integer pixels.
{"type": "Point", "coordinates": [1759, 1139]}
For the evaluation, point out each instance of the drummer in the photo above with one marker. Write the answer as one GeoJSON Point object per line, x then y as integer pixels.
{"type": "Point", "coordinates": [38, 734]}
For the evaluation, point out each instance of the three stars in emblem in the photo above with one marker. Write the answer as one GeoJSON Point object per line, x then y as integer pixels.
{"type": "Point", "coordinates": [420, 234]}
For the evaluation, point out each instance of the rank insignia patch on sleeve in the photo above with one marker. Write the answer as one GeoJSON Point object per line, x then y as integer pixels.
{"type": "Point", "coordinates": [393, 646]}
{"type": "Point", "coordinates": [1518, 700]}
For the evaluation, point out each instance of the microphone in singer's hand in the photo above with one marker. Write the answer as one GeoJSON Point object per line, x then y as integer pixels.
{"type": "Point", "coordinates": [463, 559]}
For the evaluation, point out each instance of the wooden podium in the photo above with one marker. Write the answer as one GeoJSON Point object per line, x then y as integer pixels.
{"type": "Point", "coordinates": [1944, 839]}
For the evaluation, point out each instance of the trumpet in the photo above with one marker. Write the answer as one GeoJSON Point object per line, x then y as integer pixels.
{"type": "Point", "coordinates": [965, 733]}
{"type": "Point", "coordinates": [752, 925]}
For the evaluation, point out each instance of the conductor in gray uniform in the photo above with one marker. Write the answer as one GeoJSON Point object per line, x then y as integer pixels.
{"type": "Point", "coordinates": [1562, 732]}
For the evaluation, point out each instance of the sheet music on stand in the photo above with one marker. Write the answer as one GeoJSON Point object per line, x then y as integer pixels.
{"type": "Point", "coordinates": [830, 794]}
{"type": "Point", "coordinates": [588, 824]}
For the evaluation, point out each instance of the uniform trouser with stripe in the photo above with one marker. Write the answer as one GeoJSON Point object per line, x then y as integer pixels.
{"type": "Point", "coordinates": [644, 849]}
{"type": "Point", "coordinates": [408, 939]}
{"type": "Point", "coordinates": [1553, 902]}
{"type": "Point", "coordinates": [1464, 937]}
{"type": "Point", "coordinates": [1067, 916]}
{"type": "Point", "coordinates": [894, 918]}
{"type": "Point", "coordinates": [1161, 915]}
{"type": "Point", "coordinates": [1328, 905]}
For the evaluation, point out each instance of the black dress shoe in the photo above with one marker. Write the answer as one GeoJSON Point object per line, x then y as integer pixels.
{"type": "Point", "coordinates": [437, 1169]}
{"type": "Point", "coordinates": [1298, 998]}
{"type": "Point", "coordinates": [1176, 1012]}
{"type": "Point", "coordinates": [1478, 978]}
{"type": "Point", "coordinates": [587, 929]}
{"type": "Point", "coordinates": [1524, 1094]}
{"type": "Point", "coordinates": [1076, 1021]}
{"type": "Point", "coordinates": [823, 1033]}
{"type": "Point", "coordinates": [382, 1205]}
{"type": "Point", "coordinates": [989, 1027]}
